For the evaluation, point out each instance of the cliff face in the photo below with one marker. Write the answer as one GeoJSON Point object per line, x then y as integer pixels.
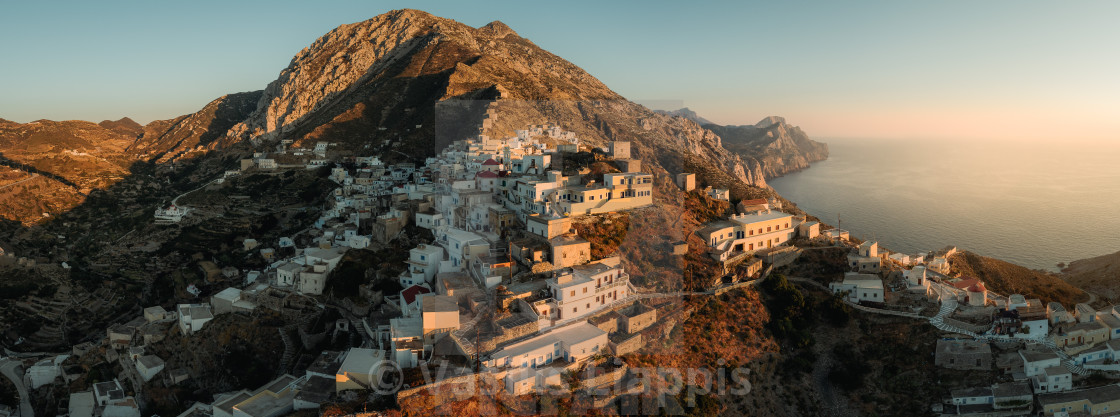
{"type": "Point", "coordinates": [777, 146]}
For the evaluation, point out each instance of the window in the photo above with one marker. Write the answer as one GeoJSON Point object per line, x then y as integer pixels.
{"type": "Point", "coordinates": [585, 290]}
{"type": "Point", "coordinates": [588, 306]}
{"type": "Point", "coordinates": [573, 293]}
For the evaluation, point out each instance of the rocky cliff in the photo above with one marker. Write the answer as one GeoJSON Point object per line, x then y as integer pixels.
{"type": "Point", "coordinates": [686, 113]}
{"type": "Point", "coordinates": [777, 146]}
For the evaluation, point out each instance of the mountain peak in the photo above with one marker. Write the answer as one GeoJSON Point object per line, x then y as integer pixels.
{"type": "Point", "coordinates": [770, 121]}
{"type": "Point", "coordinates": [496, 29]}
{"type": "Point", "coordinates": [686, 113]}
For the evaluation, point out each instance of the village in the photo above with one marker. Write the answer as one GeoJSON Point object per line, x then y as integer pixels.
{"type": "Point", "coordinates": [505, 289]}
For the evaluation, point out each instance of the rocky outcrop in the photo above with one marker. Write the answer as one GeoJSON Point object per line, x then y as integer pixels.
{"type": "Point", "coordinates": [686, 113]}
{"type": "Point", "coordinates": [778, 147]}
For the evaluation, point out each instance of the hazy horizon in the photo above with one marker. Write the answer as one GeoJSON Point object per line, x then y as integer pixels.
{"type": "Point", "coordinates": [1004, 70]}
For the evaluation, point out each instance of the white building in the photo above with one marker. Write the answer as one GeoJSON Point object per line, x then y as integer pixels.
{"type": "Point", "coordinates": [574, 343]}
{"type": "Point", "coordinates": [440, 314]}
{"type": "Point", "coordinates": [171, 214]}
{"type": "Point", "coordinates": [1036, 362]}
{"type": "Point", "coordinates": [230, 300]}
{"type": "Point", "coordinates": [1053, 379]}
{"type": "Point", "coordinates": [287, 274]}
{"type": "Point", "coordinates": [423, 265]}
{"type": "Point", "coordinates": [916, 277]}
{"type": "Point", "coordinates": [148, 366]}
{"type": "Point", "coordinates": [45, 371]}
{"type": "Point", "coordinates": [330, 257]}
{"type": "Point", "coordinates": [585, 289]}
{"type": "Point", "coordinates": [358, 369]}
{"type": "Point", "coordinates": [82, 404]}
{"type": "Point", "coordinates": [193, 316]}
{"type": "Point", "coordinates": [156, 313]}
{"type": "Point", "coordinates": [313, 279]}
{"type": "Point", "coordinates": [859, 287]}
{"type": "Point", "coordinates": [749, 232]}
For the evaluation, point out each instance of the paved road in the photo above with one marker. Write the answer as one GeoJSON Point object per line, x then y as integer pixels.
{"type": "Point", "coordinates": [10, 369]}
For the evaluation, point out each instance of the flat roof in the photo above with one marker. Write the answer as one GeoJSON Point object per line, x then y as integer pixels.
{"type": "Point", "coordinates": [229, 402]}
{"type": "Point", "coordinates": [567, 239]}
{"type": "Point", "coordinates": [228, 294]}
{"type": "Point", "coordinates": [573, 333]}
{"type": "Point", "coordinates": [715, 226]}
{"type": "Point", "coordinates": [962, 346]}
{"type": "Point", "coordinates": [360, 361]}
{"type": "Point", "coordinates": [972, 392]}
{"type": "Point", "coordinates": [82, 404]}
{"type": "Point", "coordinates": [760, 216]}
{"type": "Point", "coordinates": [1093, 395]}
{"type": "Point", "coordinates": [151, 361]}
{"type": "Point", "coordinates": [1035, 356]}
{"type": "Point", "coordinates": [439, 304]}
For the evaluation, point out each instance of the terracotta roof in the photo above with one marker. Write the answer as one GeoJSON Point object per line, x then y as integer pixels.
{"type": "Point", "coordinates": [486, 174]}
{"type": "Point", "coordinates": [964, 283]}
{"type": "Point", "coordinates": [490, 161]}
{"type": "Point", "coordinates": [410, 293]}
{"type": "Point", "coordinates": [978, 287]}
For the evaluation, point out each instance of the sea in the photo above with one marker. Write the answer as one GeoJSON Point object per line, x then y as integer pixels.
{"type": "Point", "coordinates": [1035, 204]}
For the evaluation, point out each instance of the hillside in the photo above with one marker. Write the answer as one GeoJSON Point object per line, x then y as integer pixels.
{"type": "Point", "coordinates": [1007, 278]}
{"type": "Point", "coordinates": [73, 158]}
{"type": "Point", "coordinates": [398, 86]}
{"type": "Point", "coordinates": [1099, 275]}
{"type": "Point", "coordinates": [779, 147]}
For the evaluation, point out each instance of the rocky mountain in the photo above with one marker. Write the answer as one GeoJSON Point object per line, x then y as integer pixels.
{"type": "Point", "coordinates": [373, 84]}
{"type": "Point", "coordinates": [779, 147]}
{"type": "Point", "coordinates": [686, 113]}
{"type": "Point", "coordinates": [405, 83]}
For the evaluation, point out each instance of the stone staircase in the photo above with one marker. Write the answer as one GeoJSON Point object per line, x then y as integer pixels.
{"type": "Point", "coordinates": [938, 321]}
{"type": "Point", "coordinates": [290, 348]}
{"type": "Point", "coordinates": [1067, 360]}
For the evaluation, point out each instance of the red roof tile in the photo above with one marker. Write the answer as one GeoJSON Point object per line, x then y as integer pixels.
{"type": "Point", "coordinates": [410, 293]}
{"type": "Point", "coordinates": [486, 174]}
{"type": "Point", "coordinates": [490, 161]}
{"type": "Point", "coordinates": [964, 283]}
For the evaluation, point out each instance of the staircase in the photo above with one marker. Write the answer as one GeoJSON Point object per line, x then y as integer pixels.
{"type": "Point", "coordinates": [1067, 360]}
{"type": "Point", "coordinates": [938, 321]}
{"type": "Point", "coordinates": [290, 348]}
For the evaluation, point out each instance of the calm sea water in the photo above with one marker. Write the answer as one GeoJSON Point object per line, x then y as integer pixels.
{"type": "Point", "coordinates": [1031, 204]}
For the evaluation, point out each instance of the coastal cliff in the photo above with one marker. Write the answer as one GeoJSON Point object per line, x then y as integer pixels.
{"type": "Point", "coordinates": [778, 147]}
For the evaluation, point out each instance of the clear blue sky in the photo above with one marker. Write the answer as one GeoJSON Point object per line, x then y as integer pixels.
{"type": "Point", "coordinates": [992, 69]}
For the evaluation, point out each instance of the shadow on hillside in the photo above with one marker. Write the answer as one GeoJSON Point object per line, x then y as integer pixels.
{"type": "Point", "coordinates": [30, 169]}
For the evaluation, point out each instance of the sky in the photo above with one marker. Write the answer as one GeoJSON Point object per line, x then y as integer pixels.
{"type": "Point", "coordinates": [998, 70]}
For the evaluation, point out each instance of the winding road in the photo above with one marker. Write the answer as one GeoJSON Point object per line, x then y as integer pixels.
{"type": "Point", "coordinates": [10, 369]}
{"type": "Point", "coordinates": [33, 176]}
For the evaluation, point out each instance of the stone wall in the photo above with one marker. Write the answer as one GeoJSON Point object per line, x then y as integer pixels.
{"type": "Point", "coordinates": [626, 344]}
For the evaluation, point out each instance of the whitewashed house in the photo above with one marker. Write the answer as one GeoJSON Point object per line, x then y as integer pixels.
{"type": "Point", "coordinates": [858, 287]}
{"type": "Point", "coordinates": [423, 265]}
{"type": "Point", "coordinates": [193, 316]}
{"type": "Point", "coordinates": [148, 366]}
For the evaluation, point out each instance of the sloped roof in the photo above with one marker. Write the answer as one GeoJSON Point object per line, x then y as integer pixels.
{"type": "Point", "coordinates": [409, 294]}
